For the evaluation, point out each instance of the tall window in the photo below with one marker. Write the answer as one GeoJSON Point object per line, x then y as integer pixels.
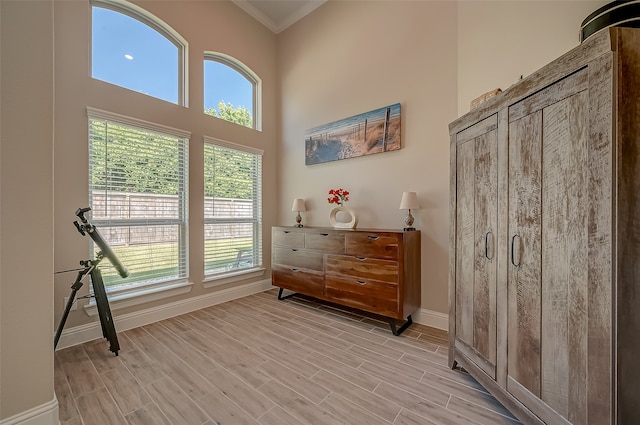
{"type": "Point", "coordinates": [132, 49]}
{"type": "Point", "coordinates": [232, 208]}
{"type": "Point", "coordinates": [231, 90]}
{"type": "Point", "coordinates": [138, 196]}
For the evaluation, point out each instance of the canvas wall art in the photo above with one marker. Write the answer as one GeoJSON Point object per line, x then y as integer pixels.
{"type": "Point", "coordinates": [372, 132]}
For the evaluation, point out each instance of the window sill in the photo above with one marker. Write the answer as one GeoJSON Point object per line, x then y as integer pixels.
{"type": "Point", "coordinates": [141, 296]}
{"type": "Point", "coordinates": [230, 277]}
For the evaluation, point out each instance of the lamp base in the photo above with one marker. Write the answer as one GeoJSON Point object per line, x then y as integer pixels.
{"type": "Point", "coordinates": [298, 225]}
{"type": "Point", "coordinates": [408, 221]}
{"type": "Point", "coordinates": [409, 229]}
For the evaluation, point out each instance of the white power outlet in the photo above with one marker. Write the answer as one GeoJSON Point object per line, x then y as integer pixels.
{"type": "Point", "coordinates": [74, 306]}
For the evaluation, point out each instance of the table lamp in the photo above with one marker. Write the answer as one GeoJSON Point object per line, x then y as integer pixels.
{"type": "Point", "coordinates": [298, 205]}
{"type": "Point", "coordinates": [409, 202]}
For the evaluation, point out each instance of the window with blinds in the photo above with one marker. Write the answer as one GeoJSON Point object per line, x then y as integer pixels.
{"type": "Point", "coordinates": [138, 197]}
{"type": "Point", "coordinates": [232, 208]}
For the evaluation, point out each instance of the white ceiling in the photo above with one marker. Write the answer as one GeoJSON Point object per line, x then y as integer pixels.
{"type": "Point", "coordinates": [278, 15]}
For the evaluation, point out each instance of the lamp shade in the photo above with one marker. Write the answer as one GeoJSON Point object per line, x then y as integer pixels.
{"type": "Point", "coordinates": [298, 205]}
{"type": "Point", "coordinates": [409, 201]}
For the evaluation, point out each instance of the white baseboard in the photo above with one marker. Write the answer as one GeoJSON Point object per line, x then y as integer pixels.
{"type": "Point", "coordinates": [83, 333]}
{"type": "Point", "coordinates": [45, 414]}
{"type": "Point", "coordinates": [431, 318]}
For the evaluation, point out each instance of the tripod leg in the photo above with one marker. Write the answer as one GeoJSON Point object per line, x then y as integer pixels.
{"type": "Point", "coordinates": [63, 320]}
{"type": "Point", "coordinates": [74, 289]}
{"type": "Point", "coordinates": [106, 321]}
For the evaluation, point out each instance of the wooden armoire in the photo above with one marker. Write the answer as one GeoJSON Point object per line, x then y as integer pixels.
{"type": "Point", "coordinates": [545, 238]}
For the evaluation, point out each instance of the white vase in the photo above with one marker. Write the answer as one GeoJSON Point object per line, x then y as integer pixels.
{"type": "Point", "coordinates": [343, 224]}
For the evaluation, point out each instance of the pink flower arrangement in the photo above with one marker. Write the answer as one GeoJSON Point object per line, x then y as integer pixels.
{"type": "Point", "coordinates": [338, 196]}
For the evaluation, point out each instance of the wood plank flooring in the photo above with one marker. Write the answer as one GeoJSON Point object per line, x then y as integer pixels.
{"type": "Point", "coordinates": [260, 361]}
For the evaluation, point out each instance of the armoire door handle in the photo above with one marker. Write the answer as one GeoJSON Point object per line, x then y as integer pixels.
{"type": "Point", "coordinates": [513, 255]}
{"type": "Point", "coordinates": [486, 244]}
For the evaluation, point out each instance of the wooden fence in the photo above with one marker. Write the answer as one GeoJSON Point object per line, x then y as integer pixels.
{"type": "Point", "coordinates": [147, 212]}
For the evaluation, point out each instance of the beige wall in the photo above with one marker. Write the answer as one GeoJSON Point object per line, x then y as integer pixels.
{"type": "Point", "coordinates": [345, 58]}
{"type": "Point", "coordinates": [352, 57]}
{"type": "Point", "coordinates": [26, 206]}
{"type": "Point", "coordinates": [433, 58]}
{"type": "Point", "coordinates": [498, 41]}
{"type": "Point", "coordinates": [207, 26]}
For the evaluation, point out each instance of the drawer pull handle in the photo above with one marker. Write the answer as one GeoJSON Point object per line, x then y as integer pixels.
{"type": "Point", "coordinates": [324, 234]}
{"type": "Point", "coordinates": [361, 282]}
{"type": "Point", "coordinates": [286, 231]}
{"type": "Point", "coordinates": [295, 270]}
{"type": "Point", "coordinates": [361, 258]}
{"type": "Point", "coordinates": [373, 237]}
{"type": "Point", "coordinates": [294, 250]}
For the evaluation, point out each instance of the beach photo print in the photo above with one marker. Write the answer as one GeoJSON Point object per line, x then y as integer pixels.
{"type": "Point", "coordinates": [372, 132]}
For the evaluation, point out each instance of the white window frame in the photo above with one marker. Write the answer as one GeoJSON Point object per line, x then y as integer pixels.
{"type": "Point", "coordinates": [146, 18]}
{"type": "Point", "coordinates": [121, 296]}
{"type": "Point", "coordinates": [247, 73]}
{"type": "Point", "coordinates": [258, 268]}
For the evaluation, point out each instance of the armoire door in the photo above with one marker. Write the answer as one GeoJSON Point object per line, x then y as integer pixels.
{"type": "Point", "coordinates": [476, 229]}
{"type": "Point", "coordinates": [548, 275]}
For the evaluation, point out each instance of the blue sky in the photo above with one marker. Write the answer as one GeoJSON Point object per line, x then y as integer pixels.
{"type": "Point", "coordinates": [130, 54]}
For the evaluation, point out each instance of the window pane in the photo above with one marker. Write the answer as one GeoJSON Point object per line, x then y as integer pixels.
{"type": "Point", "coordinates": [150, 253]}
{"type": "Point", "coordinates": [138, 190]}
{"type": "Point", "coordinates": [228, 94]}
{"type": "Point", "coordinates": [229, 247]}
{"type": "Point", "coordinates": [232, 210]}
{"type": "Point", "coordinates": [131, 54]}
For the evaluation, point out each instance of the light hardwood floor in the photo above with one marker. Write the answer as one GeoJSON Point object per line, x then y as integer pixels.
{"type": "Point", "coordinates": [257, 360]}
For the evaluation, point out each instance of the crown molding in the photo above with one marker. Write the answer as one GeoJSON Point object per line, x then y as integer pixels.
{"type": "Point", "coordinates": [300, 12]}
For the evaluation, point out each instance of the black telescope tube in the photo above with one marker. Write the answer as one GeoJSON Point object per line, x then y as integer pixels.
{"type": "Point", "coordinates": [106, 251]}
{"type": "Point", "coordinates": [102, 244]}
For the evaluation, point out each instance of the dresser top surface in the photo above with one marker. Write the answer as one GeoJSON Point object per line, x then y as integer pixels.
{"type": "Point", "coordinates": [336, 230]}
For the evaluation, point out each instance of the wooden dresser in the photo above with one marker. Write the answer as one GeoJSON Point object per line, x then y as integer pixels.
{"type": "Point", "coordinates": [545, 238]}
{"type": "Point", "coordinates": [368, 269]}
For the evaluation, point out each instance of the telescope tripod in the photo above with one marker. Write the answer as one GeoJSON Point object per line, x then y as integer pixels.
{"type": "Point", "coordinates": [106, 321]}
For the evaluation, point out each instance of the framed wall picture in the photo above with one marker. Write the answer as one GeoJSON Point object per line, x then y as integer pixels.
{"type": "Point", "coordinates": [371, 132]}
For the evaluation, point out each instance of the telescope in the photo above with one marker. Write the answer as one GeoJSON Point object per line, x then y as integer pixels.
{"type": "Point", "coordinates": [90, 267]}
{"type": "Point", "coordinates": [105, 250]}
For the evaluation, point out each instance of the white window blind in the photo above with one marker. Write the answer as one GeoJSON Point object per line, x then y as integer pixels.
{"type": "Point", "coordinates": [232, 207]}
{"type": "Point", "coordinates": [138, 197]}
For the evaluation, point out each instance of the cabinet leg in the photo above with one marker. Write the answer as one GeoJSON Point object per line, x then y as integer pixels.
{"type": "Point", "coordinates": [398, 331]}
{"type": "Point", "coordinates": [280, 297]}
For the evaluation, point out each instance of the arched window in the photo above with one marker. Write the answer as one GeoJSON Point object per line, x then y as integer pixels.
{"type": "Point", "coordinates": [231, 90]}
{"type": "Point", "coordinates": [138, 169]}
{"type": "Point", "coordinates": [133, 49]}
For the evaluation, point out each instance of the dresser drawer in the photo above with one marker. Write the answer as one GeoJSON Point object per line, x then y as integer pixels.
{"type": "Point", "coordinates": [326, 242]}
{"type": "Point", "coordinates": [298, 258]}
{"type": "Point", "coordinates": [369, 295]}
{"type": "Point", "coordinates": [362, 268]}
{"type": "Point", "coordinates": [302, 281]}
{"type": "Point", "coordinates": [372, 245]}
{"type": "Point", "coordinates": [288, 238]}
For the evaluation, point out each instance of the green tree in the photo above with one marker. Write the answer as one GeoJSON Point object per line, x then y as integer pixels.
{"type": "Point", "coordinates": [227, 112]}
{"type": "Point", "coordinates": [119, 164]}
{"type": "Point", "coordinates": [229, 173]}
